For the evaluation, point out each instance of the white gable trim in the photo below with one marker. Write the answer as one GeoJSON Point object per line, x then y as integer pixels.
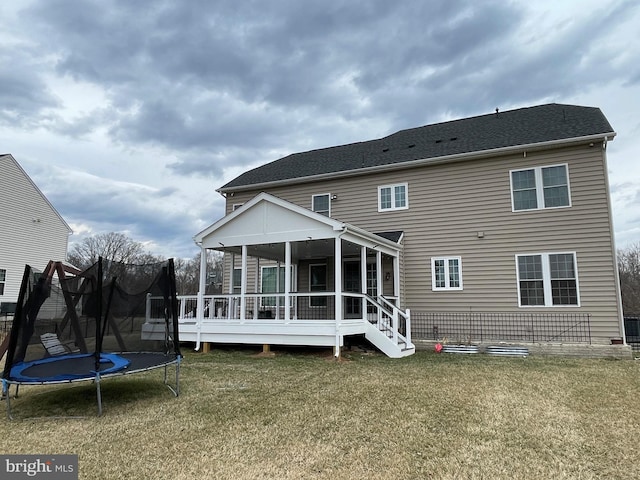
{"type": "Point", "coordinates": [268, 219]}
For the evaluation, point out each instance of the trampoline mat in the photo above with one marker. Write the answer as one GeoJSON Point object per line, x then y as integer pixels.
{"type": "Point", "coordinates": [82, 366]}
{"type": "Point", "coordinates": [147, 360]}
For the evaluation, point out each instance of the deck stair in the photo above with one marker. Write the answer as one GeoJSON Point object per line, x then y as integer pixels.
{"type": "Point", "coordinates": [389, 328]}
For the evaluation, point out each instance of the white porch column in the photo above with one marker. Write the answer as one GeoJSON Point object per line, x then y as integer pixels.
{"type": "Point", "coordinates": [200, 299]}
{"type": "Point", "coordinates": [287, 280]}
{"type": "Point", "coordinates": [202, 284]}
{"type": "Point", "coordinates": [257, 301]}
{"type": "Point", "coordinates": [363, 278]}
{"type": "Point", "coordinates": [277, 297]}
{"type": "Point", "coordinates": [243, 284]}
{"type": "Point", "coordinates": [379, 275]}
{"type": "Point", "coordinates": [396, 277]}
{"type": "Point", "coordinates": [338, 290]}
{"type": "Point", "coordinates": [231, 303]}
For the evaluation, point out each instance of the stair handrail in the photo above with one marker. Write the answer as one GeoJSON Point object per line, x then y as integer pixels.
{"type": "Point", "coordinates": [393, 312]}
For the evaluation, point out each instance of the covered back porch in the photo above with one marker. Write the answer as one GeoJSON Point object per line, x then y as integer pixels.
{"type": "Point", "coordinates": [296, 277]}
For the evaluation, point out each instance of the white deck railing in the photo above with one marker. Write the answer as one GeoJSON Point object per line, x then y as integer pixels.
{"type": "Point", "coordinates": [316, 306]}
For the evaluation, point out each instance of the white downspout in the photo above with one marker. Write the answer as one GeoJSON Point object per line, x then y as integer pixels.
{"type": "Point", "coordinates": [338, 289]}
{"type": "Point", "coordinates": [363, 279]}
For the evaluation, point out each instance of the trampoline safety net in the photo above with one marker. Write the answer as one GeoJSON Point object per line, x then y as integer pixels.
{"type": "Point", "coordinates": [88, 316]}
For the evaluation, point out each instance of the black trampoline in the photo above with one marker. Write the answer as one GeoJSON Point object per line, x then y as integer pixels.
{"type": "Point", "coordinates": [75, 326]}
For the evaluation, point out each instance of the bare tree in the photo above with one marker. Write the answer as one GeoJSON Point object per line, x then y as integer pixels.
{"type": "Point", "coordinates": [188, 274]}
{"type": "Point", "coordinates": [629, 270]}
{"type": "Point", "coordinates": [111, 246]}
{"type": "Point", "coordinates": [117, 247]}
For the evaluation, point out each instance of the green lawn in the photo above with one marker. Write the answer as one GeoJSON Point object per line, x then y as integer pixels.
{"type": "Point", "coordinates": [301, 414]}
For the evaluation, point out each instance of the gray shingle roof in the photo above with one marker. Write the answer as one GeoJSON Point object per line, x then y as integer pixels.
{"type": "Point", "coordinates": [523, 126]}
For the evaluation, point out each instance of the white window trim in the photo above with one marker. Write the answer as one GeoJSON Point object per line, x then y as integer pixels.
{"type": "Point", "coordinates": [539, 188]}
{"type": "Point", "coordinates": [276, 294]}
{"type": "Point", "coordinates": [236, 206]}
{"type": "Point", "coordinates": [233, 285]}
{"type": "Point", "coordinates": [4, 279]}
{"type": "Point", "coordinates": [328, 195]}
{"type": "Point", "coordinates": [446, 274]}
{"type": "Point", "coordinates": [393, 197]}
{"type": "Point", "coordinates": [546, 279]}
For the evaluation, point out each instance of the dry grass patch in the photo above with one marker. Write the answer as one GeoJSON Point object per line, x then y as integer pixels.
{"type": "Point", "coordinates": [299, 415]}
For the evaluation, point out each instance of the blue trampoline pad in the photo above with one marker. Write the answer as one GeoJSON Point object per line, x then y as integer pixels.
{"type": "Point", "coordinates": [75, 366]}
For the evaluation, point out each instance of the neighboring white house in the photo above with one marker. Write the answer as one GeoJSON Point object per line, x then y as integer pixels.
{"type": "Point", "coordinates": [31, 230]}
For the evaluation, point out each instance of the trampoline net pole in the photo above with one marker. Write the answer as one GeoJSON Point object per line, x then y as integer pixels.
{"type": "Point", "coordinates": [99, 394]}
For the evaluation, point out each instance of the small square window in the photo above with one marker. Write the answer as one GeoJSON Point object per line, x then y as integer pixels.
{"type": "Point", "coordinates": [321, 204]}
{"type": "Point", "coordinates": [393, 197]}
{"type": "Point", "coordinates": [446, 273]}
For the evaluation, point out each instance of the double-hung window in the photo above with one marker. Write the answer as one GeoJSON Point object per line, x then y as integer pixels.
{"type": "Point", "coordinates": [3, 279]}
{"type": "Point", "coordinates": [446, 273]}
{"type": "Point", "coordinates": [321, 204]}
{"type": "Point", "coordinates": [540, 187]}
{"type": "Point", "coordinates": [393, 197]}
{"type": "Point", "coordinates": [272, 282]}
{"type": "Point", "coordinates": [317, 283]}
{"type": "Point", "coordinates": [547, 280]}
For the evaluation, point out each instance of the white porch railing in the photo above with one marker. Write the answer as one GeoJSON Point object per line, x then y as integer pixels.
{"type": "Point", "coordinates": [387, 318]}
{"type": "Point", "coordinates": [390, 320]}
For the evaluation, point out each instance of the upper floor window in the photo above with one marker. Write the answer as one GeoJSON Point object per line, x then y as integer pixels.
{"type": "Point", "coordinates": [446, 273]}
{"type": "Point", "coordinates": [393, 197]}
{"type": "Point", "coordinates": [237, 206]}
{"type": "Point", "coordinates": [3, 279]}
{"type": "Point", "coordinates": [540, 187]}
{"type": "Point", "coordinates": [547, 279]}
{"type": "Point", "coordinates": [321, 204]}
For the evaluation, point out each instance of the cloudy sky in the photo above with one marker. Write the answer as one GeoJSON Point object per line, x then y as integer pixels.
{"type": "Point", "coordinates": [129, 114]}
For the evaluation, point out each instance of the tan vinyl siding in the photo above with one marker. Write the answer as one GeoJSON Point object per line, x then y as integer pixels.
{"type": "Point", "coordinates": [450, 203]}
{"type": "Point", "coordinates": [32, 232]}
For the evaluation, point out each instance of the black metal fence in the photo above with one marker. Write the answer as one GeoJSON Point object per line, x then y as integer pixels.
{"type": "Point", "coordinates": [632, 331]}
{"type": "Point", "coordinates": [507, 327]}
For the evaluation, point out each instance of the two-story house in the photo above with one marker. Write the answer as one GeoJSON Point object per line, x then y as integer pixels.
{"type": "Point", "coordinates": [32, 231]}
{"type": "Point", "coordinates": [491, 228]}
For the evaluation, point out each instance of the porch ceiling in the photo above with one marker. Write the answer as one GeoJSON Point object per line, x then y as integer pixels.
{"type": "Point", "coordinates": [305, 250]}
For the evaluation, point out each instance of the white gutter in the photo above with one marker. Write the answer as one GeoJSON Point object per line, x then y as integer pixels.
{"type": "Point", "coordinates": [424, 161]}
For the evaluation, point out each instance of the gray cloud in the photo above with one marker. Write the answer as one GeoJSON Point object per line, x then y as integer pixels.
{"type": "Point", "coordinates": [207, 87]}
